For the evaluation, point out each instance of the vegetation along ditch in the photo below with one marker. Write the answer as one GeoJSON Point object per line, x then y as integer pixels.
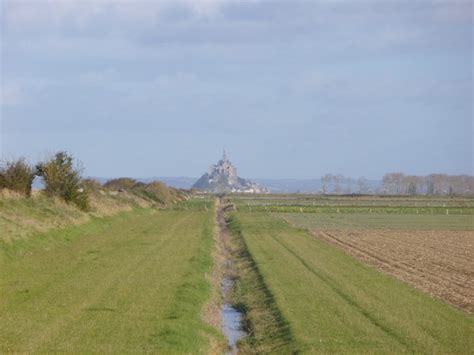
{"type": "Point", "coordinates": [251, 321]}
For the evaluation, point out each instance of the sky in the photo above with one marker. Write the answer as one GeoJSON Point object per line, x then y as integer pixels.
{"type": "Point", "coordinates": [291, 89]}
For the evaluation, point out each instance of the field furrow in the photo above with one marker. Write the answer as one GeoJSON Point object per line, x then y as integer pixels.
{"type": "Point", "coordinates": [446, 283]}
{"type": "Point", "coordinates": [438, 262]}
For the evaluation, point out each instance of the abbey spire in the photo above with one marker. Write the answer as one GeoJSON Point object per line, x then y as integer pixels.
{"type": "Point", "coordinates": [222, 177]}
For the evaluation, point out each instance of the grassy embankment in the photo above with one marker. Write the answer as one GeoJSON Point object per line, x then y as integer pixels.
{"type": "Point", "coordinates": [334, 303]}
{"type": "Point", "coordinates": [21, 217]}
{"type": "Point", "coordinates": [128, 282]}
{"type": "Point", "coordinates": [267, 329]}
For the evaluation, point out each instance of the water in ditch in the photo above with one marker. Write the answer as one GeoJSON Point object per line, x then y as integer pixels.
{"type": "Point", "coordinates": [232, 319]}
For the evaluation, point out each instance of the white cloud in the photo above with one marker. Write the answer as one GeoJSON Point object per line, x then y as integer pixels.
{"type": "Point", "coordinates": [205, 8]}
{"type": "Point", "coordinates": [95, 15]}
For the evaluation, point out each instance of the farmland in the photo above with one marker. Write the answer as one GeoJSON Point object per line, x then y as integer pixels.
{"type": "Point", "coordinates": [309, 274]}
{"type": "Point", "coordinates": [334, 303]}
{"type": "Point", "coordinates": [323, 272]}
{"type": "Point", "coordinates": [431, 252]}
{"type": "Point", "coordinates": [130, 282]}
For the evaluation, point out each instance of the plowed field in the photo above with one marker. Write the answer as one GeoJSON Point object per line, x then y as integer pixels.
{"type": "Point", "coordinates": [437, 262]}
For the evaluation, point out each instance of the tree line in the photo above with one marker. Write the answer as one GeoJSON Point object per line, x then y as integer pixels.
{"type": "Point", "coordinates": [62, 178]}
{"type": "Point", "coordinates": [400, 184]}
{"type": "Point", "coordinates": [340, 184]}
{"type": "Point", "coordinates": [433, 184]}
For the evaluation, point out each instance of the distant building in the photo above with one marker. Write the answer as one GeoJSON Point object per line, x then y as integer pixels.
{"type": "Point", "coordinates": [222, 177]}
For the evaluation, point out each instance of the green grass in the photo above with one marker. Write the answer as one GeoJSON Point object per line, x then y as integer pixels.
{"type": "Point", "coordinates": [363, 221]}
{"type": "Point", "coordinates": [134, 282]}
{"type": "Point", "coordinates": [22, 217]}
{"type": "Point", "coordinates": [334, 303]}
{"type": "Point", "coordinates": [277, 208]}
{"type": "Point", "coordinates": [267, 330]}
{"type": "Point", "coordinates": [354, 200]}
{"type": "Point", "coordinates": [202, 204]}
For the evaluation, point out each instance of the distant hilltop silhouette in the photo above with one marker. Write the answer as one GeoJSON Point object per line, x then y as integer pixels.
{"type": "Point", "coordinates": [222, 177]}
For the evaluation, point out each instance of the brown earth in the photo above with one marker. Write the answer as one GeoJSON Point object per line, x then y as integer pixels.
{"type": "Point", "coordinates": [440, 263]}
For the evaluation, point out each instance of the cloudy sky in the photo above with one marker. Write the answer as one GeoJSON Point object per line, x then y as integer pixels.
{"type": "Point", "coordinates": [290, 88]}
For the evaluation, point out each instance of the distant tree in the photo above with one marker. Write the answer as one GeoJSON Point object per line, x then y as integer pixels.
{"type": "Point", "coordinates": [393, 183]}
{"type": "Point", "coordinates": [62, 178]}
{"type": "Point", "coordinates": [433, 184]}
{"type": "Point", "coordinates": [91, 184]}
{"type": "Point", "coordinates": [410, 184]}
{"type": "Point", "coordinates": [325, 181]}
{"type": "Point", "coordinates": [337, 181]}
{"type": "Point", "coordinates": [17, 175]}
{"type": "Point", "coordinates": [411, 189]}
{"type": "Point", "coordinates": [430, 185]}
{"type": "Point", "coordinates": [348, 182]}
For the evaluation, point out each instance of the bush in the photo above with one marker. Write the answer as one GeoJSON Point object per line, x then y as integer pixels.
{"type": "Point", "coordinates": [17, 175]}
{"type": "Point", "coordinates": [63, 179]}
{"type": "Point", "coordinates": [120, 184]}
{"type": "Point", "coordinates": [156, 191]}
{"type": "Point", "coordinates": [91, 184]}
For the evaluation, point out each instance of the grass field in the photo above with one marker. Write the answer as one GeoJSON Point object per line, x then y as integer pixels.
{"type": "Point", "coordinates": [334, 303]}
{"type": "Point", "coordinates": [129, 283]}
{"type": "Point", "coordinates": [130, 278]}
{"type": "Point", "coordinates": [365, 221]}
{"type": "Point", "coordinates": [354, 200]}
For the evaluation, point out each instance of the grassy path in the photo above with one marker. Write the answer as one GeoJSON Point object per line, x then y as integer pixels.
{"type": "Point", "coordinates": [333, 303]}
{"type": "Point", "coordinates": [134, 282]}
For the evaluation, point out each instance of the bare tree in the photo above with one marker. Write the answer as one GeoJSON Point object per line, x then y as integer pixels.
{"type": "Point", "coordinates": [392, 183]}
{"type": "Point", "coordinates": [325, 181]}
{"type": "Point", "coordinates": [337, 180]}
{"type": "Point", "coordinates": [348, 189]}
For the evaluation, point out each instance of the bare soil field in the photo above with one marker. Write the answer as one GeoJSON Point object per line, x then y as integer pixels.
{"type": "Point", "coordinates": [437, 262]}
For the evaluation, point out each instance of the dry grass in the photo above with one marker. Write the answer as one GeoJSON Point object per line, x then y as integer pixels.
{"type": "Point", "coordinates": [106, 203]}
{"type": "Point", "coordinates": [6, 194]}
{"type": "Point", "coordinates": [21, 217]}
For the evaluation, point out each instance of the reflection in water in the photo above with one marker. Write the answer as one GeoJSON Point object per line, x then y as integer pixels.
{"type": "Point", "coordinates": [231, 318]}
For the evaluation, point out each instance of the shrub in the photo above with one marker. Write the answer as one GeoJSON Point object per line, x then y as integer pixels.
{"type": "Point", "coordinates": [63, 179]}
{"type": "Point", "coordinates": [157, 191]}
{"type": "Point", "coordinates": [91, 184]}
{"type": "Point", "coordinates": [120, 184]}
{"type": "Point", "coordinates": [17, 175]}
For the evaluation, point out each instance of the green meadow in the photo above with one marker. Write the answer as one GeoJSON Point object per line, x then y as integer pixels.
{"type": "Point", "coordinates": [133, 282]}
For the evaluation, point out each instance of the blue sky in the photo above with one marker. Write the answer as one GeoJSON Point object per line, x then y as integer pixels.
{"type": "Point", "coordinates": [290, 88]}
